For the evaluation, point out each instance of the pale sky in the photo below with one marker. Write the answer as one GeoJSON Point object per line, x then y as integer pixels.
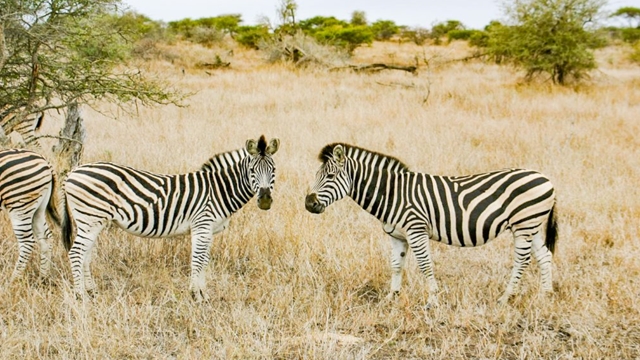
{"type": "Point", "coordinates": [473, 13]}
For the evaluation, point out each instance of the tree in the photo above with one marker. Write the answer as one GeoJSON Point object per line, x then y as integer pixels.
{"type": "Point", "coordinates": [384, 29]}
{"type": "Point", "coordinates": [632, 15]}
{"type": "Point", "coordinates": [54, 54]}
{"type": "Point", "coordinates": [554, 37]}
{"type": "Point", "coordinates": [358, 18]}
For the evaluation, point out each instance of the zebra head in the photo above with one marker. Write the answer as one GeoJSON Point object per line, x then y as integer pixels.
{"type": "Point", "coordinates": [332, 180]}
{"type": "Point", "coordinates": [262, 169]}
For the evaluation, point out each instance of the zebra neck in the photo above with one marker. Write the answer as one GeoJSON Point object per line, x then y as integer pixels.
{"type": "Point", "coordinates": [230, 186]}
{"type": "Point", "coordinates": [375, 191]}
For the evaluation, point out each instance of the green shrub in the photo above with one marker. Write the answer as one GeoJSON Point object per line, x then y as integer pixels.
{"type": "Point", "coordinates": [460, 34]}
{"type": "Point", "coordinates": [417, 35]}
{"type": "Point", "coordinates": [348, 38]}
{"type": "Point", "coordinates": [630, 35]}
{"type": "Point", "coordinates": [251, 36]}
{"type": "Point", "coordinates": [384, 29]}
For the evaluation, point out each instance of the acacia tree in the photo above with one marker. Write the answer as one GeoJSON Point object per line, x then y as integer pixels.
{"type": "Point", "coordinates": [55, 54]}
{"type": "Point", "coordinates": [554, 37]}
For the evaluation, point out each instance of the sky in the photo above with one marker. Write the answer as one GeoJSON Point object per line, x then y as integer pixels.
{"type": "Point", "coordinates": [472, 13]}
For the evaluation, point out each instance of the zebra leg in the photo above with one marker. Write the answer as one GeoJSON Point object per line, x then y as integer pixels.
{"type": "Point", "coordinates": [80, 256]}
{"type": "Point", "coordinates": [43, 234]}
{"type": "Point", "coordinates": [522, 258]}
{"type": "Point", "coordinates": [201, 240]}
{"type": "Point", "coordinates": [399, 249]}
{"type": "Point", "coordinates": [543, 257]}
{"type": "Point", "coordinates": [23, 229]}
{"type": "Point", "coordinates": [420, 246]}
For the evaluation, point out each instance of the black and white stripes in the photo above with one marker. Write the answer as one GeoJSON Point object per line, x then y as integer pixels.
{"type": "Point", "coordinates": [27, 187]}
{"type": "Point", "coordinates": [461, 211]}
{"type": "Point", "coordinates": [155, 205]}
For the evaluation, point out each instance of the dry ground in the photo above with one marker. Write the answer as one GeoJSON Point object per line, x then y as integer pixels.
{"type": "Point", "coordinates": [288, 284]}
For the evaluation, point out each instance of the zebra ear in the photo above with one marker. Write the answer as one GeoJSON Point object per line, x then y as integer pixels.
{"type": "Point", "coordinates": [274, 145]}
{"type": "Point", "coordinates": [252, 146]}
{"type": "Point", "coordinates": [338, 154]}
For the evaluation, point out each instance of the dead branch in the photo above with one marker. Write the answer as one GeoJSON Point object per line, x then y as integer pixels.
{"type": "Point", "coordinates": [406, 86]}
{"type": "Point", "coordinates": [377, 67]}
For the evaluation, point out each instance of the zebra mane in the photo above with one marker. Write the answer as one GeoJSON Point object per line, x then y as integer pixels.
{"type": "Point", "coordinates": [350, 151]}
{"type": "Point", "coordinates": [262, 145]}
{"type": "Point", "coordinates": [224, 160]}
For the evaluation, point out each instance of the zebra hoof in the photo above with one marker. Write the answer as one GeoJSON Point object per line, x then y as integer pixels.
{"type": "Point", "coordinates": [199, 296]}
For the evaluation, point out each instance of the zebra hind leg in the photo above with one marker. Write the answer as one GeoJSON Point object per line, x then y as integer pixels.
{"type": "Point", "coordinates": [522, 259]}
{"type": "Point", "coordinates": [23, 229]}
{"type": "Point", "coordinates": [80, 257]}
{"type": "Point", "coordinates": [398, 256]}
{"type": "Point", "coordinates": [543, 257]}
{"type": "Point", "coordinates": [43, 234]}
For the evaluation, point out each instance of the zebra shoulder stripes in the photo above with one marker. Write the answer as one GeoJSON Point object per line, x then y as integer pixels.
{"type": "Point", "coordinates": [27, 192]}
{"type": "Point", "coordinates": [155, 205]}
{"type": "Point", "coordinates": [463, 211]}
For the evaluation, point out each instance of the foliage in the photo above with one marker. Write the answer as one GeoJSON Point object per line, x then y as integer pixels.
{"type": "Point", "coordinates": [251, 36]}
{"type": "Point", "coordinates": [384, 29]}
{"type": "Point", "coordinates": [548, 37]}
{"type": "Point", "coordinates": [464, 34]}
{"type": "Point", "coordinates": [69, 53]}
{"type": "Point", "coordinates": [318, 23]}
{"type": "Point", "coordinates": [417, 35]}
{"type": "Point", "coordinates": [359, 18]}
{"type": "Point", "coordinates": [440, 30]}
{"type": "Point", "coordinates": [632, 14]}
{"type": "Point", "coordinates": [630, 35]}
{"type": "Point", "coordinates": [208, 29]}
{"type": "Point", "coordinates": [348, 38]}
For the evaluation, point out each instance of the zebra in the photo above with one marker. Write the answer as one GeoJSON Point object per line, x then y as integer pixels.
{"type": "Point", "coordinates": [462, 210]}
{"type": "Point", "coordinates": [154, 205]}
{"type": "Point", "coordinates": [26, 128]}
{"type": "Point", "coordinates": [28, 193]}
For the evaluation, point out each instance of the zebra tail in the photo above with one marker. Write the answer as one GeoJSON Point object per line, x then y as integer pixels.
{"type": "Point", "coordinates": [52, 205]}
{"type": "Point", "coordinates": [67, 230]}
{"type": "Point", "coordinates": [552, 230]}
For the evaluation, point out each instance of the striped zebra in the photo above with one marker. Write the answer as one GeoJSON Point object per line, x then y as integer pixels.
{"type": "Point", "coordinates": [462, 211]}
{"type": "Point", "coordinates": [154, 205]}
{"type": "Point", "coordinates": [26, 128]}
{"type": "Point", "coordinates": [27, 192]}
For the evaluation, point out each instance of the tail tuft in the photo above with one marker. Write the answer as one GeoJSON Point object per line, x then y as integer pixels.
{"type": "Point", "coordinates": [552, 230]}
{"type": "Point", "coordinates": [67, 230]}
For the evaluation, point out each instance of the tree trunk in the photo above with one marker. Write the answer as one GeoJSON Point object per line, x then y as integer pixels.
{"type": "Point", "coordinates": [4, 54]}
{"type": "Point", "coordinates": [72, 135]}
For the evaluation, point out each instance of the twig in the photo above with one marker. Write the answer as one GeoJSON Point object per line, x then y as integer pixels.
{"type": "Point", "coordinates": [396, 84]}
{"type": "Point", "coordinates": [60, 138]}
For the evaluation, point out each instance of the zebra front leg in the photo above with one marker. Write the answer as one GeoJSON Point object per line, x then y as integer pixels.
{"type": "Point", "coordinates": [200, 246]}
{"type": "Point", "coordinates": [421, 248]}
{"type": "Point", "coordinates": [543, 257]}
{"type": "Point", "coordinates": [522, 258]}
{"type": "Point", "coordinates": [399, 249]}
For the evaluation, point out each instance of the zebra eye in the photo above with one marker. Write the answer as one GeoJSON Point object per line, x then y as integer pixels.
{"type": "Point", "coordinates": [331, 176]}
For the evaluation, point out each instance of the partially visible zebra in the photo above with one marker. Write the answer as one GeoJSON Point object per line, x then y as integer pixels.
{"type": "Point", "coordinates": [461, 211]}
{"type": "Point", "coordinates": [27, 192]}
{"type": "Point", "coordinates": [154, 205]}
{"type": "Point", "coordinates": [26, 128]}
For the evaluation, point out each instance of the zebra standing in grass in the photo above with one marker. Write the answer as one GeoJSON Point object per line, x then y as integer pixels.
{"type": "Point", "coordinates": [462, 211]}
{"type": "Point", "coordinates": [27, 188]}
{"type": "Point", "coordinates": [154, 205]}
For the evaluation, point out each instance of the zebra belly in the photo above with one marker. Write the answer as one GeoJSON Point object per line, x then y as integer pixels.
{"type": "Point", "coordinates": [172, 229]}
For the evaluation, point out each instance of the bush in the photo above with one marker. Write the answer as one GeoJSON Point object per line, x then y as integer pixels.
{"type": "Point", "coordinates": [348, 38]}
{"type": "Point", "coordinates": [635, 53]}
{"type": "Point", "coordinates": [630, 35]}
{"type": "Point", "coordinates": [417, 35]}
{"type": "Point", "coordinates": [251, 36]}
{"type": "Point", "coordinates": [384, 29]}
{"type": "Point", "coordinates": [206, 36]}
{"type": "Point", "coordinates": [460, 34]}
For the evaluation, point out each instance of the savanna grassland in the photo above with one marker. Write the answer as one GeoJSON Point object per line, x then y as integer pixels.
{"type": "Point", "coordinates": [288, 284]}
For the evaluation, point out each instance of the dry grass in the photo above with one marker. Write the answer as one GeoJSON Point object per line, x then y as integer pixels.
{"type": "Point", "coordinates": [288, 284]}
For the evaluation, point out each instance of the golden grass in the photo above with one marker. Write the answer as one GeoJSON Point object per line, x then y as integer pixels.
{"type": "Point", "coordinates": [288, 284]}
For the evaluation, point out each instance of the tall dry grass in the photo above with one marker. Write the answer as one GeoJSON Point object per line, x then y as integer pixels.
{"type": "Point", "coordinates": [288, 284]}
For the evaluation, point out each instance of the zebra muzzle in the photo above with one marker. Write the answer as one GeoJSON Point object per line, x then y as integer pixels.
{"type": "Point", "coordinates": [313, 205]}
{"type": "Point", "coordinates": [264, 198]}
